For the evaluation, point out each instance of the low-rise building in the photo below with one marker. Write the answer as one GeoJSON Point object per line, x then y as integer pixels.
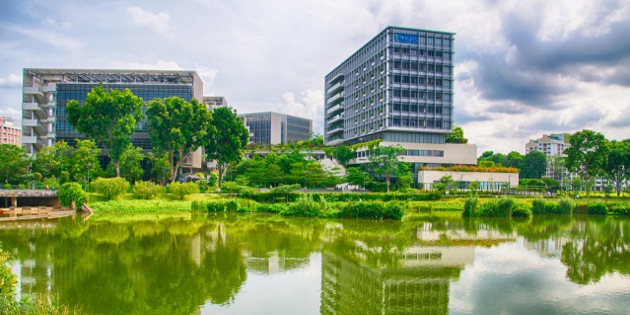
{"type": "Point", "coordinates": [9, 132]}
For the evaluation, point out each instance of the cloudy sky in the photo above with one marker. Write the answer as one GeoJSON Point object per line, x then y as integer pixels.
{"type": "Point", "coordinates": [523, 68]}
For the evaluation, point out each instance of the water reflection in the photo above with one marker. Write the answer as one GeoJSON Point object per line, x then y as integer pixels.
{"type": "Point", "coordinates": [182, 265]}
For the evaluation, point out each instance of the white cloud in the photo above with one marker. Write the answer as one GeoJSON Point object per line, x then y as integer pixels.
{"type": "Point", "coordinates": [159, 65]}
{"type": "Point", "coordinates": [157, 21]}
{"type": "Point", "coordinates": [12, 81]}
{"type": "Point", "coordinates": [208, 75]}
{"type": "Point", "coordinates": [310, 105]}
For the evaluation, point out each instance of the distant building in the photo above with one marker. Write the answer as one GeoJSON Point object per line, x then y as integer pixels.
{"type": "Point", "coordinates": [550, 145]}
{"type": "Point", "coordinates": [398, 88]}
{"type": "Point", "coordinates": [213, 102]}
{"type": "Point", "coordinates": [46, 93]}
{"type": "Point", "coordinates": [9, 133]}
{"type": "Point", "coordinates": [274, 128]}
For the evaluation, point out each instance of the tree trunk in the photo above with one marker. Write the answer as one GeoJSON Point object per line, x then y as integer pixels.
{"type": "Point", "coordinates": [387, 179]}
{"type": "Point", "coordinates": [117, 165]}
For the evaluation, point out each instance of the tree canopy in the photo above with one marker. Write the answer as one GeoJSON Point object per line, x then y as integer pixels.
{"type": "Point", "coordinates": [225, 139]}
{"type": "Point", "coordinates": [534, 165]}
{"type": "Point", "coordinates": [456, 136]}
{"type": "Point", "coordinates": [177, 127]}
{"type": "Point", "coordinates": [384, 162]}
{"type": "Point", "coordinates": [15, 163]}
{"type": "Point", "coordinates": [587, 153]}
{"type": "Point", "coordinates": [109, 118]}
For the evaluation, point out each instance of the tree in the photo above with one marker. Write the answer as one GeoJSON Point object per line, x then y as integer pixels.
{"type": "Point", "coordinates": [616, 166]}
{"type": "Point", "coordinates": [15, 163]}
{"type": "Point", "coordinates": [177, 127]}
{"type": "Point", "coordinates": [587, 153]}
{"type": "Point", "coordinates": [109, 118]}
{"type": "Point", "coordinates": [384, 161]}
{"type": "Point", "coordinates": [84, 161]}
{"type": "Point", "coordinates": [555, 163]}
{"type": "Point", "coordinates": [497, 158]}
{"type": "Point", "coordinates": [456, 136]}
{"type": "Point", "coordinates": [534, 165]}
{"type": "Point", "coordinates": [226, 138]}
{"type": "Point", "coordinates": [357, 177]}
{"type": "Point", "coordinates": [343, 154]}
{"type": "Point", "coordinates": [513, 159]}
{"type": "Point", "coordinates": [445, 183]}
{"type": "Point", "coordinates": [52, 160]}
{"type": "Point", "coordinates": [130, 160]}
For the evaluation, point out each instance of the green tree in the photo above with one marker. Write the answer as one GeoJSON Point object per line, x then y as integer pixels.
{"type": "Point", "coordinates": [616, 166]}
{"type": "Point", "coordinates": [555, 163]}
{"type": "Point", "coordinates": [384, 161]}
{"type": "Point", "coordinates": [587, 153]}
{"type": "Point", "coordinates": [109, 118]}
{"type": "Point", "coordinates": [226, 138]}
{"type": "Point", "coordinates": [534, 165]}
{"type": "Point", "coordinates": [15, 163]}
{"type": "Point", "coordinates": [177, 127]}
{"type": "Point", "coordinates": [456, 136]}
{"type": "Point", "coordinates": [343, 154]}
{"type": "Point", "coordinates": [84, 161]}
{"type": "Point", "coordinates": [497, 158]}
{"type": "Point", "coordinates": [130, 166]}
{"type": "Point", "coordinates": [445, 184]}
{"type": "Point", "coordinates": [52, 160]}
{"type": "Point", "coordinates": [513, 159]}
{"type": "Point", "coordinates": [357, 177]}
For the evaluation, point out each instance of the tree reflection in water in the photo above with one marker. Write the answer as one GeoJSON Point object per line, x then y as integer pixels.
{"type": "Point", "coordinates": [176, 265]}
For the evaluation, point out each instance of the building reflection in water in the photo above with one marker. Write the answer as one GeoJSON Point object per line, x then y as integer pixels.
{"type": "Point", "coordinates": [386, 278]}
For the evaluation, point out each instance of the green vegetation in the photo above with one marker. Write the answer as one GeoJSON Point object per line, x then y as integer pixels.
{"type": "Point", "coordinates": [111, 188]}
{"type": "Point", "coordinates": [147, 190]}
{"type": "Point", "coordinates": [226, 138]}
{"type": "Point", "coordinates": [181, 190]}
{"type": "Point", "coordinates": [543, 206]}
{"type": "Point", "coordinates": [109, 118]}
{"type": "Point", "coordinates": [72, 193]}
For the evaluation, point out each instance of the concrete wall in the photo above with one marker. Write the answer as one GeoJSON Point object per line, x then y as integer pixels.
{"type": "Point", "coordinates": [486, 180]}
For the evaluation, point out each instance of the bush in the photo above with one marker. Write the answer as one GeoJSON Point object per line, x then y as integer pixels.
{"type": "Point", "coordinates": [305, 207]}
{"type": "Point", "coordinates": [271, 208]}
{"type": "Point", "coordinates": [246, 205]}
{"type": "Point", "coordinates": [72, 192]}
{"type": "Point", "coordinates": [146, 190]}
{"type": "Point", "coordinates": [470, 206]}
{"type": "Point", "coordinates": [538, 206]}
{"type": "Point", "coordinates": [566, 206]}
{"type": "Point", "coordinates": [181, 190]}
{"type": "Point", "coordinates": [520, 210]}
{"type": "Point", "coordinates": [505, 206]}
{"type": "Point", "coordinates": [619, 208]}
{"type": "Point", "coordinates": [597, 208]}
{"type": "Point", "coordinates": [215, 205]}
{"type": "Point", "coordinates": [110, 188]}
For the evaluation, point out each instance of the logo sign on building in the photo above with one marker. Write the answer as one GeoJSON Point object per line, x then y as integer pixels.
{"type": "Point", "coordinates": [406, 38]}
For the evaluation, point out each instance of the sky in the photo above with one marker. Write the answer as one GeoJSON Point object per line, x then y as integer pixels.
{"type": "Point", "coordinates": [522, 68]}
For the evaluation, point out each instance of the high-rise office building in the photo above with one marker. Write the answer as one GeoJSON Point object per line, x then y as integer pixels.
{"type": "Point", "coordinates": [9, 132]}
{"type": "Point", "coordinates": [46, 93]}
{"type": "Point", "coordinates": [399, 88]}
{"type": "Point", "coordinates": [274, 128]}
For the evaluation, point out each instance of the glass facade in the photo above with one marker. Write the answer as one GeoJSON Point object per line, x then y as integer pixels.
{"type": "Point", "coordinates": [273, 128]}
{"type": "Point", "coordinates": [400, 80]}
{"type": "Point", "coordinates": [79, 91]}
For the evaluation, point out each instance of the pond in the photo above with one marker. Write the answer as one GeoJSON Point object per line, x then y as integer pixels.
{"type": "Point", "coordinates": [191, 263]}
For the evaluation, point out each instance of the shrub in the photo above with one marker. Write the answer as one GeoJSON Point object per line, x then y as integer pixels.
{"type": "Point", "coordinates": [393, 210]}
{"type": "Point", "coordinates": [505, 206]}
{"type": "Point", "coordinates": [619, 208]}
{"type": "Point", "coordinates": [470, 206]}
{"type": "Point", "coordinates": [181, 190]}
{"type": "Point", "coordinates": [538, 206]}
{"type": "Point", "coordinates": [566, 206]}
{"type": "Point", "coordinates": [72, 192]}
{"type": "Point", "coordinates": [520, 210]}
{"type": "Point", "coordinates": [146, 190]}
{"type": "Point", "coordinates": [110, 188]}
{"type": "Point", "coordinates": [271, 208]}
{"type": "Point", "coordinates": [597, 208]}
{"type": "Point", "coordinates": [246, 205]}
{"type": "Point", "coordinates": [304, 207]}
{"type": "Point", "coordinates": [215, 205]}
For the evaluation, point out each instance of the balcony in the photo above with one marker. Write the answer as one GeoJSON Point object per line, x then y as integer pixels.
{"type": "Point", "coordinates": [335, 118]}
{"type": "Point", "coordinates": [335, 88]}
{"type": "Point", "coordinates": [337, 97]}
{"type": "Point", "coordinates": [335, 129]}
{"type": "Point", "coordinates": [35, 124]}
{"type": "Point", "coordinates": [31, 106]}
{"type": "Point", "coordinates": [39, 95]}
{"type": "Point", "coordinates": [334, 141]}
{"type": "Point", "coordinates": [334, 109]}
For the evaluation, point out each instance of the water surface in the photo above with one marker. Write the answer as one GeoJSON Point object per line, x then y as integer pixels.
{"type": "Point", "coordinates": [255, 264]}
